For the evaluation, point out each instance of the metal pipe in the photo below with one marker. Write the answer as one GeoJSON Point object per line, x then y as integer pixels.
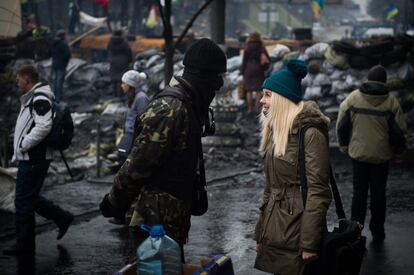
{"type": "Point", "coordinates": [98, 149]}
{"type": "Point", "coordinates": [5, 149]}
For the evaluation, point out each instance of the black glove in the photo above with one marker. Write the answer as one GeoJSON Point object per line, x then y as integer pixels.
{"type": "Point", "coordinates": [108, 210]}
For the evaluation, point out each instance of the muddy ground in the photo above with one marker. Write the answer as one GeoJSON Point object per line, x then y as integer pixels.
{"type": "Point", "coordinates": [94, 246]}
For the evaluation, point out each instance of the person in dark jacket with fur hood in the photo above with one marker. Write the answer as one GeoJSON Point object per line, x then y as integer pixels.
{"type": "Point", "coordinates": [119, 56]}
{"type": "Point", "coordinates": [371, 129]}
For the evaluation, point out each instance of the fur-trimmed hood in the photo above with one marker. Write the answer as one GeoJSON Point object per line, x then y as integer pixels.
{"type": "Point", "coordinates": [311, 115]}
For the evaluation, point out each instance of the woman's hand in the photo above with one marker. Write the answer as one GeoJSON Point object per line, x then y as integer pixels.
{"type": "Point", "coordinates": [308, 257]}
{"type": "Point", "coordinates": [258, 247]}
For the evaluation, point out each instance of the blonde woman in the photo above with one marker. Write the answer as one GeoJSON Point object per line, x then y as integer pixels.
{"type": "Point", "coordinates": [287, 233]}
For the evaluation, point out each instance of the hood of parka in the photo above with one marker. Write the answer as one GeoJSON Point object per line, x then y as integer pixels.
{"type": "Point", "coordinates": [311, 116]}
{"type": "Point", "coordinates": [374, 92]}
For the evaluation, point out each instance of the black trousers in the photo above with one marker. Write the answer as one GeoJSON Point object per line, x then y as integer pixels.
{"type": "Point", "coordinates": [30, 177]}
{"type": "Point", "coordinates": [373, 177]}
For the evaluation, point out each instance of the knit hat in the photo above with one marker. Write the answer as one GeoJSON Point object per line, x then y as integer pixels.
{"type": "Point", "coordinates": [377, 73]}
{"type": "Point", "coordinates": [205, 56]}
{"type": "Point", "coordinates": [287, 81]}
{"type": "Point", "coordinates": [133, 78]}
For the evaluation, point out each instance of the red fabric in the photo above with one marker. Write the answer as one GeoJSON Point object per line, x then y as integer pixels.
{"type": "Point", "coordinates": [102, 3]}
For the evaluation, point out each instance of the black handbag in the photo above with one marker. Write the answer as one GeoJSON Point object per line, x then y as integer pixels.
{"type": "Point", "coordinates": [199, 200]}
{"type": "Point", "coordinates": [341, 251]}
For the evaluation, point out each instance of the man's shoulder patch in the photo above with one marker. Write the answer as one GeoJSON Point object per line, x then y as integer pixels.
{"type": "Point", "coordinates": [41, 106]}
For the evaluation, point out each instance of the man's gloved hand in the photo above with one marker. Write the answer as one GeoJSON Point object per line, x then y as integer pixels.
{"type": "Point", "coordinates": [108, 210]}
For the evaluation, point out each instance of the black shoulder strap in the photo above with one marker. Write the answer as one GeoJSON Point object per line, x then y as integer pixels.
{"type": "Point", "coordinates": [179, 94]}
{"type": "Point", "coordinates": [172, 92]}
{"type": "Point", "coordinates": [304, 182]}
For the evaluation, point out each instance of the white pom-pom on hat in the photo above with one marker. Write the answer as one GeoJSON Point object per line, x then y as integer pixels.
{"type": "Point", "coordinates": [133, 78]}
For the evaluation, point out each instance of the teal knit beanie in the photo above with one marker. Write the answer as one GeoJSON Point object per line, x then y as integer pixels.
{"type": "Point", "coordinates": [287, 81]}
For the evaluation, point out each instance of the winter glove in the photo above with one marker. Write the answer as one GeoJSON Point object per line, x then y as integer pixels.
{"type": "Point", "coordinates": [108, 210]}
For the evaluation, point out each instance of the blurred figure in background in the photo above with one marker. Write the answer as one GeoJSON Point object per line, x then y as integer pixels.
{"type": "Point", "coordinates": [60, 58]}
{"type": "Point", "coordinates": [137, 101]}
{"type": "Point", "coordinates": [119, 56]}
{"type": "Point", "coordinates": [255, 62]}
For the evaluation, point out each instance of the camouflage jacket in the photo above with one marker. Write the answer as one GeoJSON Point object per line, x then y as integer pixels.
{"type": "Point", "coordinates": [162, 130]}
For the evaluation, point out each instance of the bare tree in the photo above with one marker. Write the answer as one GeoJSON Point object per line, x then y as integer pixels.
{"type": "Point", "coordinates": [170, 45]}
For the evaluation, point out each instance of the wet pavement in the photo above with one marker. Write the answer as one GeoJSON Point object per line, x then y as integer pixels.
{"type": "Point", "coordinates": [94, 246]}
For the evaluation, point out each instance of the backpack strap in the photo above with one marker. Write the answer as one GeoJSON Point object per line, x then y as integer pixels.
{"type": "Point", "coordinates": [179, 93]}
{"type": "Point", "coordinates": [304, 182]}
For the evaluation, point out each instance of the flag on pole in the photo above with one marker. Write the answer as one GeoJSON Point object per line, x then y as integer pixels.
{"type": "Point", "coordinates": [392, 12]}
{"type": "Point", "coordinates": [152, 19]}
{"type": "Point", "coordinates": [317, 6]}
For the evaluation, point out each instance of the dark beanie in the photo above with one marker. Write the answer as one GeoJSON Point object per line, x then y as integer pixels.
{"type": "Point", "coordinates": [287, 81]}
{"type": "Point", "coordinates": [205, 56]}
{"type": "Point", "coordinates": [377, 73]}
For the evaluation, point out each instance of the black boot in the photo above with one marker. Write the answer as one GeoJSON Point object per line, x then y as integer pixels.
{"type": "Point", "coordinates": [63, 225]}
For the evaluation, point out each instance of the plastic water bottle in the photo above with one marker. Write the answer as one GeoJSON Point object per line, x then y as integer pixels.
{"type": "Point", "coordinates": [158, 254]}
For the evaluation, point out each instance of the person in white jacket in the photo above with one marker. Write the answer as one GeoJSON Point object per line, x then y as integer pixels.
{"type": "Point", "coordinates": [33, 125]}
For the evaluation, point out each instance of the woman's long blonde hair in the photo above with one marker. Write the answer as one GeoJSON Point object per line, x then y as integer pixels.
{"type": "Point", "coordinates": [278, 123]}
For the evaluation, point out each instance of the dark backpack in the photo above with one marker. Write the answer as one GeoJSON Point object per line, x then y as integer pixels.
{"type": "Point", "coordinates": [61, 135]}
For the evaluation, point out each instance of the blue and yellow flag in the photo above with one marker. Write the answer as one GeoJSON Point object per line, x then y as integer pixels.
{"type": "Point", "coordinates": [317, 6]}
{"type": "Point", "coordinates": [392, 11]}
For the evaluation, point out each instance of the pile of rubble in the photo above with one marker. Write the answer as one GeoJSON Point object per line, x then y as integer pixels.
{"type": "Point", "coordinates": [336, 69]}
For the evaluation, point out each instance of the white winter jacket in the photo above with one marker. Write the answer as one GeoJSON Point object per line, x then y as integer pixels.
{"type": "Point", "coordinates": [33, 124]}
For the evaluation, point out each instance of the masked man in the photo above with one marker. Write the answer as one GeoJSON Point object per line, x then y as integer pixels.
{"type": "Point", "coordinates": [162, 165]}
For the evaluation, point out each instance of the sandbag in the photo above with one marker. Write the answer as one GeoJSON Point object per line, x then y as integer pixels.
{"type": "Point", "coordinates": [307, 81]}
{"type": "Point", "coordinates": [322, 80]}
{"type": "Point", "coordinates": [290, 56]}
{"type": "Point", "coordinates": [277, 66]}
{"type": "Point", "coordinates": [279, 52]}
{"type": "Point", "coordinates": [328, 68]}
{"type": "Point", "coordinates": [315, 66]}
{"type": "Point", "coordinates": [312, 93]}
{"type": "Point", "coordinates": [338, 60]}
{"type": "Point", "coordinates": [338, 75]}
{"type": "Point", "coordinates": [316, 51]}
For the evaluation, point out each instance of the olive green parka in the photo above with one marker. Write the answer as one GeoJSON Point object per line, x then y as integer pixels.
{"type": "Point", "coordinates": [285, 229]}
{"type": "Point", "coordinates": [371, 126]}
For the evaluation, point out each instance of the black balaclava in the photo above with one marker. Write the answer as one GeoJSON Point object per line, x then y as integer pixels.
{"type": "Point", "coordinates": [204, 63]}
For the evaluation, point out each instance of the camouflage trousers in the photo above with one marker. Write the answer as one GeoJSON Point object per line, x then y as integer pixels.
{"type": "Point", "coordinates": [155, 207]}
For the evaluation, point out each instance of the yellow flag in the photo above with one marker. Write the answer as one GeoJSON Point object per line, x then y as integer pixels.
{"type": "Point", "coordinates": [152, 19]}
